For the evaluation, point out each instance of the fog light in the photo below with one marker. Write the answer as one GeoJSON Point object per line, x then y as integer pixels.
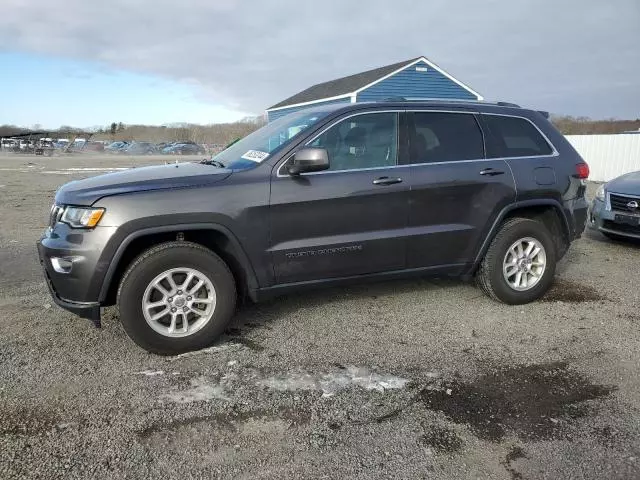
{"type": "Point", "coordinates": [62, 264]}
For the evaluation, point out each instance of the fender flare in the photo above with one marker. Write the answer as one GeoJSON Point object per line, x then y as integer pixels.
{"type": "Point", "coordinates": [238, 251]}
{"type": "Point", "coordinates": [546, 202]}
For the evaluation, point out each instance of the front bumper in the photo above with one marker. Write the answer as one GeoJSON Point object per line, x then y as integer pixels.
{"type": "Point", "coordinates": [603, 220]}
{"type": "Point", "coordinates": [75, 288]}
{"type": "Point", "coordinates": [88, 310]}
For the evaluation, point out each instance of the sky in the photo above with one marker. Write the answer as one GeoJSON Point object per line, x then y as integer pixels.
{"type": "Point", "coordinates": [210, 61]}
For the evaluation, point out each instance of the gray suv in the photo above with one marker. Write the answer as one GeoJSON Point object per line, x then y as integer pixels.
{"type": "Point", "coordinates": [323, 196]}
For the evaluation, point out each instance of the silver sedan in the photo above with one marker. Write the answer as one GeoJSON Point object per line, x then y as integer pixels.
{"type": "Point", "coordinates": [615, 210]}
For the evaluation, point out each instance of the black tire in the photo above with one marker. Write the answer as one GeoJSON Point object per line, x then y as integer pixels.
{"type": "Point", "coordinates": [159, 259]}
{"type": "Point", "coordinates": [490, 277]}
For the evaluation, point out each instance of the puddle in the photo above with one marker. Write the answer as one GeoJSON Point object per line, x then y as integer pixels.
{"type": "Point", "coordinates": [25, 421]}
{"type": "Point", "coordinates": [441, 440]}
{"type": "Point", "coordinates": [331, 382]}
{"type": "Point", "coordinates": [534, 402]}
{"type": "Point", "coordinates": [232, 421]}
{"type": "Point", "coordinates": [570, 292]}
{"type": "Point", "coordinates": [217, 420]}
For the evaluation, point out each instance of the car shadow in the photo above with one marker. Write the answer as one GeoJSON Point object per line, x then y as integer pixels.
{"type": "Point", "coordinates": [253, 315]}
{"type": "Point", "coordinates": [600, 238]}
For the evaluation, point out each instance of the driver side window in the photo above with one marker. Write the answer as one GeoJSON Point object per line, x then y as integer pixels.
{"type": "Point", "coordinates": [362, 141]}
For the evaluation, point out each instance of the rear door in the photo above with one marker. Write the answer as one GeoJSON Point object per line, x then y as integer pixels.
{"type": "Point", "coordinates": [350, 219]}
{"type": "Point", "coordinates": [529, 154]}
{"type": "Point", "coordinates": [456, 193]}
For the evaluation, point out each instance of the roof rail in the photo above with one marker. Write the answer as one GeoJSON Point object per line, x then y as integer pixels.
{"type": "Point", "coordinates": [449, 100]}
{"type": "Point", "coordinates": [430, 99]}
{"type": "Point", "coordinates": [508, 104]}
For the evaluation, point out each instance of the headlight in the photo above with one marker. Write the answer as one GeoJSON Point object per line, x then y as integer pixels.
{"type": "Point", "coordinates": [600, 193]}
{"type": "Point", "coordinates": [82, 217]}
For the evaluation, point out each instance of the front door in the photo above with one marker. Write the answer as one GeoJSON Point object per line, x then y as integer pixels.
{"type": "Point", "coordinates": [350, 219]}
{"type": "Point", "coordinates": [456, 194]}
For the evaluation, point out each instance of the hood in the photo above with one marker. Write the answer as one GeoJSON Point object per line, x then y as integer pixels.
{"type": "Point", "coordinates": [161, 177]}
{"type": "Point", "coordinates": [628, 184]}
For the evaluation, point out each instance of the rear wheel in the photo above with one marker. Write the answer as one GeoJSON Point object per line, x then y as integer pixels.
{"type": "Point", "coordinates": [520, 264]}
{"type": "Point", "coordinates": [176, 297]}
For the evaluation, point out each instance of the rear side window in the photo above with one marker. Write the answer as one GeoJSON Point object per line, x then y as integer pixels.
{"type": "Point", "coordinates": [514, 137]}
{"type": "Point", "coordinates": [444, 137]}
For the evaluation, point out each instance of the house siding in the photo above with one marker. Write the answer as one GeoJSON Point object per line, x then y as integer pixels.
{"type": "Point", "coordinates": [273, 115]}
{"type": "Point", "coordinates": [413, 83]}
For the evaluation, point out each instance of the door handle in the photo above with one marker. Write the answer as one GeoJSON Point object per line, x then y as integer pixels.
{"type": "Point", "coordinates": [491, 172]}
{"type": "Point", "coordinates": [387, 180]}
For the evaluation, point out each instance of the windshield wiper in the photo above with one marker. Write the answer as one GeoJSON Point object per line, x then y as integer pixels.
{"type": "Point", "coordinates": [215, 163]}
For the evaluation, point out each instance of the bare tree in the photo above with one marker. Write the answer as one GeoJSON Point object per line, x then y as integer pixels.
{"type": "Point", "coordinates": [569, 125]}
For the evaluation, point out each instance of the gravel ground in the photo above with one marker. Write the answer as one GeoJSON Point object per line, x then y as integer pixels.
{"type": "Point", "coordinates": [405, 379]}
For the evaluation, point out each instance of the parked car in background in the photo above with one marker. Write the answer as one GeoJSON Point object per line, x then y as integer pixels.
{"type": "Point", "coordinates": [45, 147]}
{"type": "Point", "coordinates": [138, 148]}
{"type": "Point", "coordinates": [8, 144]}
{"type": "Point", "coordinates": [184, 149]}
{"type": "Point", "coordinates": [90, 146]}
{"type": "Point", "coordinates": [323, 196]}
{"type": "Point", "coordinates": [115, 147]}
{"type": "Point", "coordinates": [162, 145]}
{"type": "Point", "coordinates": [167, 148]}
{"type": "Point", "coordinates": [615, 210]}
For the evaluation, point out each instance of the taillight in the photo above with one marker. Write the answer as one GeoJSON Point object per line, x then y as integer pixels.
{"type": "Point", "coordinates": [582, 171]}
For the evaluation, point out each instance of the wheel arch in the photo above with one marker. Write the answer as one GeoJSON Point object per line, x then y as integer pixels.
{"type": "Point", "coordinates": [549, 211]}
{"type": "Point", "coordinates": [215, 237]}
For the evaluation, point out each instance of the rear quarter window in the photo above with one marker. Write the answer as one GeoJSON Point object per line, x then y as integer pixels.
{"type": "Point", "coordinates": [514, 137]}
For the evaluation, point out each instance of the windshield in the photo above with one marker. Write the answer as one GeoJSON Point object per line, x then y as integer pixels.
{"type": "Point", "coordinates": [258, 146]}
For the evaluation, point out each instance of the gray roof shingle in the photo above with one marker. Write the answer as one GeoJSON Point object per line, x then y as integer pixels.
{"type": "Point", "coordinates": [342, 85]}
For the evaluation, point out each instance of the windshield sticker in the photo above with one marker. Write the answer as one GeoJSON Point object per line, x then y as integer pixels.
{"type": "Point", "coordinates": [255, 155]}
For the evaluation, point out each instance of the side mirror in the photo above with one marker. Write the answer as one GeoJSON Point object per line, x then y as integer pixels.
{"type": "Point", "coordinates": [309, 160]}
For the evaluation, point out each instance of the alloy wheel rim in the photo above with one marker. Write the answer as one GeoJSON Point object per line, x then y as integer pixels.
{"type": "Point", "coordinates": [179, 302]}
{"type": "Point", "coordinates": [524, 264]}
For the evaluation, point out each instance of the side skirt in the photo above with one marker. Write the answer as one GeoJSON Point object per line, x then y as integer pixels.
{"type": "Point", "coordinates": [454, 270]}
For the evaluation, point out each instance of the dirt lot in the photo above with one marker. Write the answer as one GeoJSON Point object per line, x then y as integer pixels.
{"type": "Point", "coordinates": [405, 379]}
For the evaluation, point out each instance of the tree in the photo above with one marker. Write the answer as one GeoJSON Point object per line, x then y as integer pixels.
{"type": "Point", "coordinates": [114, 128]}
{"type": "Point", "coordinates": [120, 126]}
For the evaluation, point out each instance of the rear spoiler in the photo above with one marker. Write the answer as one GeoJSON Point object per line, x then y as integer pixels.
{"type": "Point", "coordinates": [544, 114]}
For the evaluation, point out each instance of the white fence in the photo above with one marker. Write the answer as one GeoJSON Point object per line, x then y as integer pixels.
{"type": "Point", "coordinates": [608, 156]}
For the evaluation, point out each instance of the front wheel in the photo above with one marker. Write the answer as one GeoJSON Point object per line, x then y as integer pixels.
{"type": "Point", "coordinates": [520, 264]}
{"type": "Point", "coordinates": [176, 297]}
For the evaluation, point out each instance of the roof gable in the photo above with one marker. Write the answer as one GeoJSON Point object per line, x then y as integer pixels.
{"type": "Point", "coordinates": [342, 86]}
